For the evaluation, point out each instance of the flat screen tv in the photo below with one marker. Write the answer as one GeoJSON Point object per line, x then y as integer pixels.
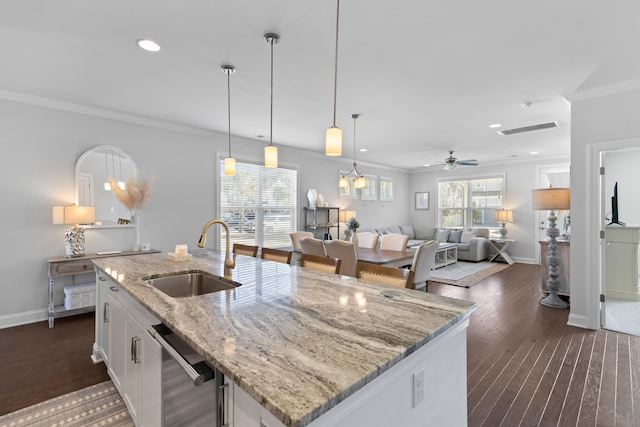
{"type": "Point", "coordinates": [614, 207]}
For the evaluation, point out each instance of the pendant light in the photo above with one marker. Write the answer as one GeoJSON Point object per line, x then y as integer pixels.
{"type": "Point", "coordinates": [271, 151]}
{"type": "Point", "coordinates": [229, 162]}
{"type": "Point", "coordinates": [359, 181]}
{"type": "Point", "coordinates": [333, 142]}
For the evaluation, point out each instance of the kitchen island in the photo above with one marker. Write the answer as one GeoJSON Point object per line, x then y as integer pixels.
{"type": "Point", "coordinates": [309, 346]}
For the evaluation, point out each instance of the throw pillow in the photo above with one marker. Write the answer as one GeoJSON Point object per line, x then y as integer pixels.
{"type": "Point", "coordinates": [454, 236]}
{"type": "Point", "coordinates": [466, 236]}
{"type": "Point", "coordinates": [408, 230]}
{"type": "Point", "coordinates": [442, 235]}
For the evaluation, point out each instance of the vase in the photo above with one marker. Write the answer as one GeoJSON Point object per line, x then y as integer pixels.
{"type": "Point", "coordinates": [311, 197]}
{"type": "Point", "coordinates": [135, 220]}
{"type": "Point", "coordinates": [354, 238]}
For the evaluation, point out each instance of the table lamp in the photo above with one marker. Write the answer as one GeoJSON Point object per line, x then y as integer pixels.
{"type": "Point", "coordinates": [503, 216]}
{"type": "Point", "coordinates": [552, 200]}
{"type": "Point", "coordinates": [74, 235]}
{"type": "Point", "coordinates": [343, 216]}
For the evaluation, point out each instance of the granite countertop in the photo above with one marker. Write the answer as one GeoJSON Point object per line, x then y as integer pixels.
{"type": "Point", "coordinates": [298, 341]}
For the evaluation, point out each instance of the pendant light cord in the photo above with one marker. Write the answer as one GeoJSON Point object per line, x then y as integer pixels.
{"type": "Point", "coordinates": [355, 164]}
{"type": "Point", "coordinates": [355, 116]}
{"type": "Point", "coordinates": [335, 70]}
{"type": "Point", "coordinates": [229, 108]}
{"type": "Point", "coordinates": [271, 116]}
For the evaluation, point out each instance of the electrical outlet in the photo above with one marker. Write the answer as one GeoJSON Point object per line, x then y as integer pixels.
{"type": "Point", "coordinates": [418, 387]}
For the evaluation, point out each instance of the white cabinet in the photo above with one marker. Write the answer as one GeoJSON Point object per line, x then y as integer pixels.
{"type": "Point", "coordinates": [132, 356]}
{"type": "Point", "coordinates": [101, 345]}
{"type": "Point", "coordinates": [622, 262]}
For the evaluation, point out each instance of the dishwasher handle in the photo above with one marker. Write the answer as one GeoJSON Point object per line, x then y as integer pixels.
{"type": "Point", "coordinates": [199, 372]}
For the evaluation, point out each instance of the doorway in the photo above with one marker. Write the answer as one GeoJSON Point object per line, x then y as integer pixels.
{"type": "Point", "coordinates": [620, 310]}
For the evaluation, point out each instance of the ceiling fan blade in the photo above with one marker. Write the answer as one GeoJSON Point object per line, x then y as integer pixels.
{"type": "Point", "coordinates": [469, 162]}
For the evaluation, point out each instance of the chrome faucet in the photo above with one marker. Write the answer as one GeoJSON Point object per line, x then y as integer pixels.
{"type": "Point", "coordinates": [228, 263]}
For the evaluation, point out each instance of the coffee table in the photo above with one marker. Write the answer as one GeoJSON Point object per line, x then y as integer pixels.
{"type": "Point", "coordinates": [446, 254]}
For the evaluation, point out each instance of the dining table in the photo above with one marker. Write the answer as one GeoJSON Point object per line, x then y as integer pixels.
{"type": "Point", "coordinates": [386, 257]}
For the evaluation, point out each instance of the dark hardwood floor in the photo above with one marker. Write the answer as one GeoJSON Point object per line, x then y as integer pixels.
{"type": "Point", "coordinates": [38, 363]}
{"type": "Point", "coordinates": [526, 367]}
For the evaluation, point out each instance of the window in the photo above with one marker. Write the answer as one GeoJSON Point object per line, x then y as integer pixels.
{"type": "Point", "coordinates": [470, 203]}
{"type": "Point", "coordinates": [259, 204]}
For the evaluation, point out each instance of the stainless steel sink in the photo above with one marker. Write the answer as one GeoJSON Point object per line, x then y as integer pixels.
{"type": "Point", "coordinates": [189, 284]}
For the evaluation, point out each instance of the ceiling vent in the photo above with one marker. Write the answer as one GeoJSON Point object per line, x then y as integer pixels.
{"type": "Point", "coordinates": [531, 128]}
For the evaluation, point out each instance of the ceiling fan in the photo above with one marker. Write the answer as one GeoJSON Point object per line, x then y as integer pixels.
{"type": "Point", "coordinates": [450, 163]}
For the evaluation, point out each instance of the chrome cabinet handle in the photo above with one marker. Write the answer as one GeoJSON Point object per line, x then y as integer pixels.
{"type": "Point", "coordinates": [134, 349]}
{"type": "Point", "coordinates": [102, 278]}
{"type": "Point", "coordinates": [114, 288]}
{"type": "Point", "coordinates": [222, 404]}
{"type": "Point", "coordinates": [105, 312]}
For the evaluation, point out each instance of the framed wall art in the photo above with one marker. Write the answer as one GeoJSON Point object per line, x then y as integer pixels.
{"type": "Point", "coordinates": [422, 200]}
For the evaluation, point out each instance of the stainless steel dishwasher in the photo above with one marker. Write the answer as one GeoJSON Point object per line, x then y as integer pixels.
{"type": "Point", "coordinates": [193, 391]}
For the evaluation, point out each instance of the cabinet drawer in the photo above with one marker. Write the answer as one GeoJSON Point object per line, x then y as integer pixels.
{"type": "Point", "coordinates": [71, 267]}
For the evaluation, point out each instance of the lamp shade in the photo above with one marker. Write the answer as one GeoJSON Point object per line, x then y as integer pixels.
{"type": "Point", "coordinates": [503, 215]}
{"type": "Point", "coordinates": [229, 166]}
{"type": "Point", "coordinates": [551, 199]}
{"type": "Point", "coordinates": [271, 156]}
{"type": "Point", "coordinates": [360, 182]}
{"type": "Point", "coordinates": [73, 214]}
{"type": "Point", "coordinates": [333, 145]}
{"type": "Point", "coordinates": [346, 214]}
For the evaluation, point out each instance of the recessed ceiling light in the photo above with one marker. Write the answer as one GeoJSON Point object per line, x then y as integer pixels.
{"type": "Point", "coordinates": [363, 150]}
{"type": "Point", "coordinates": [495, 125]}
{"type": "Point", "coordinates": [149, 45]}
{"type": "Point", "coordinates": [534, 152]}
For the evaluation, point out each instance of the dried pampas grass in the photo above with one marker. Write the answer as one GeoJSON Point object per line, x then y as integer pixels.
{"type": "Point", "coordinates": [133, 196]}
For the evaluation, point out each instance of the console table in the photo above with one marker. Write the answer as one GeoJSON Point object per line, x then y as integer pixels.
{"type": "Point", "coordinates": [63, 266]}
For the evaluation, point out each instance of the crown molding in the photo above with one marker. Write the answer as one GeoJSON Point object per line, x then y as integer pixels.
{"type": "Point", "coordinates": [104, 113]}
{"type": "Point", "coordinates": [603, 90]}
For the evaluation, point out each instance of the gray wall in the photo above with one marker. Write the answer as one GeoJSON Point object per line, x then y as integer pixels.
{"type": "Point", "coordinates": [520, 179]}
{"type": "Point", "coordinates": [38, 173]}
{"type": "Point", "coordinates": [599, 119]}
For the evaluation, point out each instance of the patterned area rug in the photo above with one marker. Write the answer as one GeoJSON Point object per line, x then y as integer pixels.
{"type": "Point", "coordinates": [466, 274]}
{"type": "Point", "coordinates": [98, 405]}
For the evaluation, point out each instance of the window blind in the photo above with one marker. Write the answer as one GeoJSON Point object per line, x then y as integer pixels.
{"type": "Point", "coordinates": [259, 204]}
{"type": "Point", "coordinates": [470, 203]}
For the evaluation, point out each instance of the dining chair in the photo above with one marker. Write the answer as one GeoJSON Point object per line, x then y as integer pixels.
{"type": "Point", "coordinates": [295, 239]}
{"type": "Point", "coordinates": [400, 277]}
{"type": "Point", "coordinates": [346, 252]}
{"type": "Point", "coordinates": [248, 250]}
{"type": "Point", "coordinates": [278, 255]}
{"type": "Point", "coordinates": [394, 242]}
{"type": "Point", "coordinates": [422, 264]}
{"type": "Point", "coordinates": [321, 263]}
{"type": "Point", "coordinates": [313, 246]}
{"type": "Point", "coordinates": [367, 239]}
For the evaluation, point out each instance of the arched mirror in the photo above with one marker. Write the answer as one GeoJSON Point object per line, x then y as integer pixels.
{"type": "Point", "coordinates": [92, 170]}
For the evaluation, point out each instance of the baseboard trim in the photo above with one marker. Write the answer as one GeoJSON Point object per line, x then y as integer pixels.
{"type": "Point", "coordinates": [26, 317]}
{"type": "Point", "coordinates": [579, 321]}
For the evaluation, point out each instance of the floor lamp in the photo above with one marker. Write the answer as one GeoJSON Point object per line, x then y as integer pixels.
{"type": "Point", "coordinates": [552, 200]}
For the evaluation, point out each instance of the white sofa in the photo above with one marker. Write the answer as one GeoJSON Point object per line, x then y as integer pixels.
{"type": "Point", "coordinates": [472, 244]}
